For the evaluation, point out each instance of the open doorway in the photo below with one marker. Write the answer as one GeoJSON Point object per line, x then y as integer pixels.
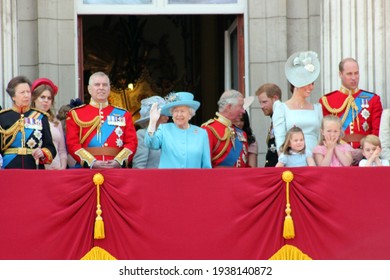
{"type": "Point", "coordinates": [154, 55]}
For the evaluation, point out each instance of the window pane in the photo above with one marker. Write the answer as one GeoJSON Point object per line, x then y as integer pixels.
{"type": "Point", "coordinates": [117, 1]}
{"type": "Point", "coordinates": [201, 1]}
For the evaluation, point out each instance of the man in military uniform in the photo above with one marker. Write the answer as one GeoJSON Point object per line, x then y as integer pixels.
{"type": "Point", "coordinates": [359, 110]}
{"type": "Point", "coordinates": [228, 143]}
{"type": "Point", "coordinates": [267, 94]}
{"type": "Point", "coordinates": [99, 135]}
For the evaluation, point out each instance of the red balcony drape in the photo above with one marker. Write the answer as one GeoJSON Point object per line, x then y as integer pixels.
{"type": "Point", "coordinates": [338, 213]}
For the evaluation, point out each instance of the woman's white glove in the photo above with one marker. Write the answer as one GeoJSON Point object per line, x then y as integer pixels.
{"type": "Point", "coordinates": [154, 116]}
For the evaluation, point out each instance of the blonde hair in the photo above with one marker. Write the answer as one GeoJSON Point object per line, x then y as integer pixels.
{"type": "Point", "coordinates": [372, 139]}
{"type": "Point", "coordinates": [331, 118]}
{"type": "Point", "coordinates": [285, 148]}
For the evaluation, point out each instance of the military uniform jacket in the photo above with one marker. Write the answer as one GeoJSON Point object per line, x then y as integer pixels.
{"type": "Point", "coordinates": [228, 144]}
{"type": "Point", "coordinates": [106, 133]}
{"type": "Point", "coordinates": [360, 112]}
{"type": "Point", "coordinates": [22, 131]}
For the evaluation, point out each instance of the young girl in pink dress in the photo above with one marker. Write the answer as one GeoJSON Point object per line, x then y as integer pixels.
{"type": "Point", "coordinates": [330, 151]}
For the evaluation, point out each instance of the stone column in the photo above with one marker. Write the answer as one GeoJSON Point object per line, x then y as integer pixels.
{"type": "Point", "coordinates": [276, 30]}
{"type": "Point", "coordinates": [358, 29]}
{"type": "Point", "coordinates": [8, 48]}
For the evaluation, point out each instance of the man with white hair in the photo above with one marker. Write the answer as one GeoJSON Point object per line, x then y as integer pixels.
{"type": "Point", "coordinates": [228, 144]}
{"type": "Point", "coordinates": [99, 135]}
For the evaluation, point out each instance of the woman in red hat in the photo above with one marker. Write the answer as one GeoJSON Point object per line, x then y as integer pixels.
{"type": "Point", "coordinates": [43, 94]}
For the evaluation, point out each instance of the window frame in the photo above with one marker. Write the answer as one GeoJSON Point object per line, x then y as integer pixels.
{"type": "Point", "coordinates": [159, 7]}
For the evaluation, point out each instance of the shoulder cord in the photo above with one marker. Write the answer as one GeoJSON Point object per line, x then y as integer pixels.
{"type": "Point", "coordinates": [94, 123]}
{"type": "Point", "coordinates": [348, 103]}
{"type": "Point", "coordinates": [11, 132]}
{"type": "Point", "coordinates": [226, 137]}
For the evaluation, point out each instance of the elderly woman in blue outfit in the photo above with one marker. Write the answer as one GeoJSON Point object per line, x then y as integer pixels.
{"type": "Point", "coordinates": [301, 69]}
{"type": "Point", "coordinates": [182, 144]}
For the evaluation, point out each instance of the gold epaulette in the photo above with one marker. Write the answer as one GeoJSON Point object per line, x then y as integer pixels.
{"type": "Point", "coordinates": [208, 122]}
{"type": "Point", "coordinates": [73, 109]}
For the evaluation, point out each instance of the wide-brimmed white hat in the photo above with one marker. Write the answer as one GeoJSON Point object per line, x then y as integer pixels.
{"type": "Point", "coordinates": [302, 68]}
{"type": "Point", "coordinates": [248, 102]}
{"type": "Point", "coordinates": [175, 99]}
{"type": "Point", "coordinates": [146, 105]}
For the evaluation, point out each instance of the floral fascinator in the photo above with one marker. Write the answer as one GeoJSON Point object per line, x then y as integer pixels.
{"type": "Point", "coordinates": [175, 99]}
{"type": "Point", "coordinates": [302, 68]}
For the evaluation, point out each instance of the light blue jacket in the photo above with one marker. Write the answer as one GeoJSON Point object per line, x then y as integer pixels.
{"type": "Point", "coordinates": [180, 148]}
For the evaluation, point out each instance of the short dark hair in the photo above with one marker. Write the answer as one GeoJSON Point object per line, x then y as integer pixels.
{"type": "Point", "coordinates": [271, 90]}
{"type": "Point", "coordinates": [15, 82]}
{"type": "Point", "coordinates": [342, 62]}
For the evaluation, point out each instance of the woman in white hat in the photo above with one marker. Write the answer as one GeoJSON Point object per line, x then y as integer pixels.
{"type": "Point", "coordinates": [301, 69]}
{"type": "Point", "coordinates": [182, 144]}
{"type": "Point", "coordinates": [145, 157]}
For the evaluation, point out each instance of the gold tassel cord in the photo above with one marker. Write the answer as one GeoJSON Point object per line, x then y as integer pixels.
{"type": "Point", "coordinates": [288, 228]}
{"type": "Point", "coordinates": [98, 180]}
{"type": "Point", "coordinates": [12, 132]}
{"type": "Point", "coordinates": [349, 103]}
{"type": "Point", "coordinates": [92, 124]}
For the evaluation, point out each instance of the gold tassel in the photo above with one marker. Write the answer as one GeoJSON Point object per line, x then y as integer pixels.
{"type": "Point", "coordinates": [97, 253]}
{"type": "Point", "coordinates": [98, 180]}
{"type": "Point", "coordinates": [288, 228]}
{"type": "Point", "coordinates": [289, 252]}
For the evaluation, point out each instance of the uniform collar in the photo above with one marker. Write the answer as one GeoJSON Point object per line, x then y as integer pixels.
{"type": "Point", "coordinates": [21, 110]}
{"type": "Point", "coordinates": [97, 104]}
{"type": "Point", "coordinates": [348, 91]}
{"type": "Point", "coordinates": [223, 119]}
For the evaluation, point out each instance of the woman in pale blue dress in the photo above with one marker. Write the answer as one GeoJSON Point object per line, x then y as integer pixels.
{"type": "Point", "coordinates": [301, 69]}
{"type": "Point", "coordinates": [182, 144]}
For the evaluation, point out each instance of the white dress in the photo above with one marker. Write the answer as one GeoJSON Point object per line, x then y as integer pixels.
{"type": "Point", "coordinates": [309, 121]}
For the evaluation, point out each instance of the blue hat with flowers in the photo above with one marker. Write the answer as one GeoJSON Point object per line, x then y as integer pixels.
{"type": "Point", "coordinates": [146, 105]}
{"type": "Point", "coordinates": [175, 99]}
{"type": "Point", "coordinates": [302, 68]}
